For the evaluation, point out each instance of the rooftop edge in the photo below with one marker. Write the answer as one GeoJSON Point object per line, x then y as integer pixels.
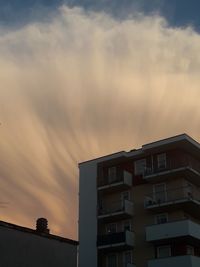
{"type": "Point", "coordinates": [161, 142]}
{"type": "Point", "coordinates": [32, 231]}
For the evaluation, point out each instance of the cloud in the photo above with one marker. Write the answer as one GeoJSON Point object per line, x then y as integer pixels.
{"type": "Point", "coordinates": [83, 85]}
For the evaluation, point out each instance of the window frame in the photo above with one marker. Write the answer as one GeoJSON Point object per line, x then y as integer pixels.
{"type": "Point", "coordinates": [123, 199]}
{"type": "Point", "coordinates": [160, 160]}
{"type": "Point", "coordinates": [164, 191]}
{"type": "Point", "coordinates": [140, 172]}
{"type": "Point", "coordinates": [160, 214]}
{"type": "Point", "coordinates": [112, 179]}
{"type": "Point", "coordinates": [160, 247]}
{"type": "Point", "coordinates": [107, 227]}
{"type": "Point", "coordinates": [124, 257]}
{"type": "Point", "coordinates": [122, 195]}
{"type": "Point", "coordinates": [189, 247]}
{"type": "Point", "coordinates": [130, 225]}
{"type": "Point", "coordinates": [112, 254]}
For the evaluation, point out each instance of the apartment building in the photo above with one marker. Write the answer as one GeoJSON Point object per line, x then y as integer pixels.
{"type": "Point", "coordinates": [142, 208]}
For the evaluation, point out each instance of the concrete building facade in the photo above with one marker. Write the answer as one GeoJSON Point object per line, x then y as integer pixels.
{"type": "Point", "coordinates": [25, 247]}
{"type": "Point", "coordinates": [142, 208]}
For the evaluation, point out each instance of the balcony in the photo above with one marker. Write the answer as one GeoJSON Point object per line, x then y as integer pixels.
{"type": "Point", "coordinates": [185, 229]}
{"type": "Point", "coordinates": [121, 182]}
{"type": "Point", "coordinates": [182, 261]}
{"type": "Point", "coordinates": [186, 198]}
{"type": "Point", "coordinates": [116, 241]}
{"type": "Point", "coordinates": [130, 265]}
{"type": "Point", "coordinates": [116, 211]}
{"type": "Point", "coordinates": [189, 168]}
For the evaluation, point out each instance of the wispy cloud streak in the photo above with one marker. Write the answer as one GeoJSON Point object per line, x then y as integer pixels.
{"type": "Point", "coordinates": [80, 86]}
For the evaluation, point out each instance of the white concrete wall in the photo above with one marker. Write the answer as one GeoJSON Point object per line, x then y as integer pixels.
{"type": "Point", "coordinates": [172, 230]}
{"type": "Point", "coordinates": [179, 261]}
{"type": "Point", "coordinates": [21, 249]}
{"type": "Point", "coordinates": [88, 215]}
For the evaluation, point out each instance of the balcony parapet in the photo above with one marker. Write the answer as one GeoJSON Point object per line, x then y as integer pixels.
{"type": "Point", "coordinates": [118, 240]}
{"type": "Point", "coordinates": [116, 210]}
{"type": "Point", "coordinates": [187, 195]}
{"type": "Point", "coordinates": [121, 182]}
{"type": "Point", "coordinates": [176, 261]}
{"type": "Point", "coordinates": [173, 230]}
{"type": "Point", "coordinates": [130, 265]}
{"type": "Point", "coordinates": [190, 168]}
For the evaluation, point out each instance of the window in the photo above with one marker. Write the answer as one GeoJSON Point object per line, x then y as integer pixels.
{"type": "Point", "coordinates": [189, 190]}
{"type": "Point", "coordinates": [127, 226]}
{"type": "Point", "coordinates": [100, 205]}
{"type": "Point", "coordinates": [125, 195]}
{"type": "Point", "coordinates": [127, 258]}
{"type": "Point", "coordinates": [161, 161]}
{"type": "Point", "coordinates": [161, 218]}
{"type": "Point", "coordinates": [190, 250]}
{"type": "Point", "coordinates": [112, 174]}
{"type": "Point", "coordinates": [140, 166]}
{"type": "Point", "coordinates": [160, 193]}
{"type": "Point", "coordinates": [111, 228]}
{"type": "Point", "coordinates": [164, 251]}
{"type": "Point", "coordinates": [112, 260]}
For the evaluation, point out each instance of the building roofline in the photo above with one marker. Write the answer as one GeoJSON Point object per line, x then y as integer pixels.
{"type": "Point", "coordinates": [146, 147]}
{"type": "Point", "coordinates": [169, 140]}
{"type": "Point", "coordinates": [32, 231]}
{"type": "Point", "coordinates": [121, 153]}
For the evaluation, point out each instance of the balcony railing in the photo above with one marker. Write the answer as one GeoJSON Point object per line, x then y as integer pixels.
{"type": "Point", "coordinates": [123, 177]}
{"type": "Point", "coordinates": [116, 210]}
{"type": "Point", "coordinates": [173, 230]}
{"type": "Point", "coordinates": [172, 167]}
{"type": "Point", "coordinates": [123, 240]}
{"type": "Point", "coordinates": [173, 196]}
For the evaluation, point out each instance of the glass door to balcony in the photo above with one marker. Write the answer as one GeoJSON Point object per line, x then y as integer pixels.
{"type": "Point", "coordinates": [111, 228]}
{"type": "Point", "coordinates": [160, 193]}
{"type": "Point", "coordinates": [127, 258]}
{"type": "Point", "coordinates": [189, 190]}
{"type": "Point", "coordinates": [163, 251]}
{"type": "Point", "coordinates": [124, 196]}
{"type": "Point", "coordinates": [112, 260]}
{"type": "Point", "coordinates": [112, 175]}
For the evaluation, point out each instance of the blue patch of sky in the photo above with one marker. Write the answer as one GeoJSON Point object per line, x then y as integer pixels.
{"type": "Point", "coordinates": [179, 13]}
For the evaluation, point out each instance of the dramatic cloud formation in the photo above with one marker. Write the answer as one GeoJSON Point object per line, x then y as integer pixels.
{"type": "Point", "coordinates": [82, 85]}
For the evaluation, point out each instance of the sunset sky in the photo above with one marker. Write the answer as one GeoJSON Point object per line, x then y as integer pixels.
{"type": "Point", "coordinates": [80, 79]}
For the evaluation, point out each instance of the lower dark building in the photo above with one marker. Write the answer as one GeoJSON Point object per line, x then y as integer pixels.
{"type": "Point", "coordinates": [25, 247]}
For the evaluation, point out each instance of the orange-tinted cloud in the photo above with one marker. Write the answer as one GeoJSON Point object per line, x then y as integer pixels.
{"type": "Point", "coordinates": [82, 85]}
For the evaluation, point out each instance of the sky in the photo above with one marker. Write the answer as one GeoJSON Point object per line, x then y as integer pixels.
{"type": "Point", "coordinates": [177, 12]}
{"type": "Point", "coordinates": [81, 79]}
